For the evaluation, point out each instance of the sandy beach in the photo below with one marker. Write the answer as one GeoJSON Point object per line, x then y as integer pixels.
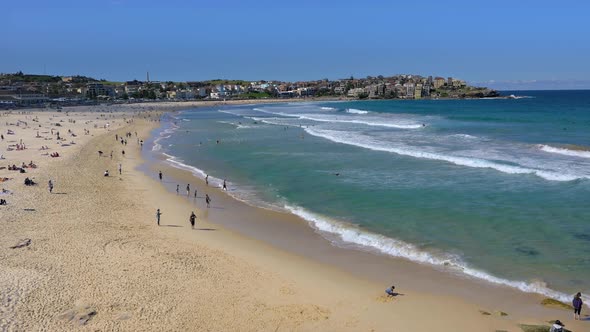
{"type": "Point", "coordinates": [90, 256]}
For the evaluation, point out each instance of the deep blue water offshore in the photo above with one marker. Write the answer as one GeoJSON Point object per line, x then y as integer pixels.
{"type": "Point", "coordinates": [496, 189]}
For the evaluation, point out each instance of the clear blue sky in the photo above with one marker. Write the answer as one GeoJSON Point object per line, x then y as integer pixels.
{"type": "Point", "coordinates": [297, 40]}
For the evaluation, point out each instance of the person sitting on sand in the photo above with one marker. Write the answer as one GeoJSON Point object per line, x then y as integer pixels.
{"type": "Point", "coordinates": [389, 291]}
{"type": "Point", "coordinates": [3, 201]}
{"type": "Point", "coordinates": [557, 326]}
{"type": "Point", "coordinates": [106, 173]}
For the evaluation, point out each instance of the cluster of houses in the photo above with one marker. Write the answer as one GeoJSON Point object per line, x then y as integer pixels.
{"type": "Point", "coordinates": [16, 89]}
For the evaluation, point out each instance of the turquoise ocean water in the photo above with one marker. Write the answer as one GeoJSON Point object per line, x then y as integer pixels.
{"type": "Point", "coordinates": [495, 189]}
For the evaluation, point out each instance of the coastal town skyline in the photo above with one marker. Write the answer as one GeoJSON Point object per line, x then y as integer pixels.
{"type": "Point", "coordinates": [507, 46]}
{"type": "Point", "coordinates": [26, 90]}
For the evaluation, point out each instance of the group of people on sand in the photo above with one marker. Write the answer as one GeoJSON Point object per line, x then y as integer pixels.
{"type": "Point", "coordinates": [13, 167]}
{"type": "Point", "coordinates": [188, 193]}
{"type": "Point", "coordinates": [557, 326]}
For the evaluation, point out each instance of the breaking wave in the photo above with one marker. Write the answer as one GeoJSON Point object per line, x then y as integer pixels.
{"type": "Point", "coordinates": [564, 151]}
{"type": "Point", "coordinates": [355, 111]}
{"type": "Point", "coordinates": [360, 141]}
{"type": "Point", "coordinates": [375, 242]}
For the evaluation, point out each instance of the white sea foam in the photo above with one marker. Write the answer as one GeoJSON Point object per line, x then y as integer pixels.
{"type": "Point", "coordinates": [566, 152]}
{"type": "Point", "coordinates": [465, 136]}
{"type": "Point", "coordinates": [173, 161]}
{"type": "Point", "coordinates": [163, 135]}
{"type": "Point", "coordinates": [360, 141]}
{"type": "Point", "coordinates": [375, 242]}
{"type": "Point", "coordinates": [237, 125]}
{"type": "Point", "coordinates": [355, 111]}
{"type": "Point", "coordinates": [376, 122]}
{"type": "Point", "coordinates": [267, 121]}
{"type": "Point", "coordinates": [247, 197]}
{"type": "Point", "coordinates": [327, 108]}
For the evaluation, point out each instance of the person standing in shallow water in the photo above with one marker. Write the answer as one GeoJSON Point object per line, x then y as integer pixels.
{"type": "Point", "coordinates": [207, 199]}
{"type": "Point", "coordinates": [577, 303]}
{"type": "Point", "coordinates": [188, 189]}
{"type": "Point", "coordinates": [160, 175]}
{"type": "Point", "coordinates": [224, 185]}
{"type": "Point", "coordinates": [158, 214]}
{"type": "Point", "coordinates": [192, 219]}
{"type": "Point", "coordinates": [177, 188]}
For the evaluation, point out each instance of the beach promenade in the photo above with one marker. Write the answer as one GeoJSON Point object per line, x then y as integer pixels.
{"type": "Point", "coordinates": [89, 256]}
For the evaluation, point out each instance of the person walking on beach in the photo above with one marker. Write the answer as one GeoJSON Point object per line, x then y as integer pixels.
{"type": "Point", "coordinates": [577, 303]}
{"type": "Point", "coordinates": [188, 189]}
{"type": "Point", "coordinates": [160, 175]}
{"type": "Point", "coordinates": [177, 188]}
{"type": "Point", "coordinates": [120, 168]}
{"type": "Point", "coordinates": [158, 214]}
{"type": "Point", "coordinates": [50, 184]}
{"type": "Point", "coordinates": [195, 193]}
{"type": "Point", "coordinates": [192, 219]}
{"type": "Point", "coordinates": [224, 185]}
{"type": "Point", "coordinates": [207, 199]}
{"type": "Point", "coordinates": [207, 179]}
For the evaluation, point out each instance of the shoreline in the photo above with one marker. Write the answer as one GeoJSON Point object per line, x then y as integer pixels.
{"type": "Point", "coordinates": [495, 292]}
{"type": "Point", "coordinates": [138, 276]}
{"type": "Point", "coordinates": [348, 236]}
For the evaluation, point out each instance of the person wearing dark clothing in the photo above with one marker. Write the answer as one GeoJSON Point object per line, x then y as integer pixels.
{"type": "Point", "coordinates": [577, 303]}
{"type": "Point", "coordinates": [207, 200]}
{"type": "Point", "coordinates": [158, 214]}
{"type": "Point", "coordinates": [192, 219]}
{"type": "Point", "coordinates": [160, 175]}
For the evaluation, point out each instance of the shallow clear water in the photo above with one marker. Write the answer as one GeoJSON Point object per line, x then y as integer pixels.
{"type": "Point", "coordinates": [497, 188]}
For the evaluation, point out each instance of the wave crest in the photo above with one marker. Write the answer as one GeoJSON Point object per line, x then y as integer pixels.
{"type": "Point", "coordinates": [396, 248]}
{"type": "Point", "coordinates": [564, 151]}
{"type": "Point", "coordinates": [341, 137]}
